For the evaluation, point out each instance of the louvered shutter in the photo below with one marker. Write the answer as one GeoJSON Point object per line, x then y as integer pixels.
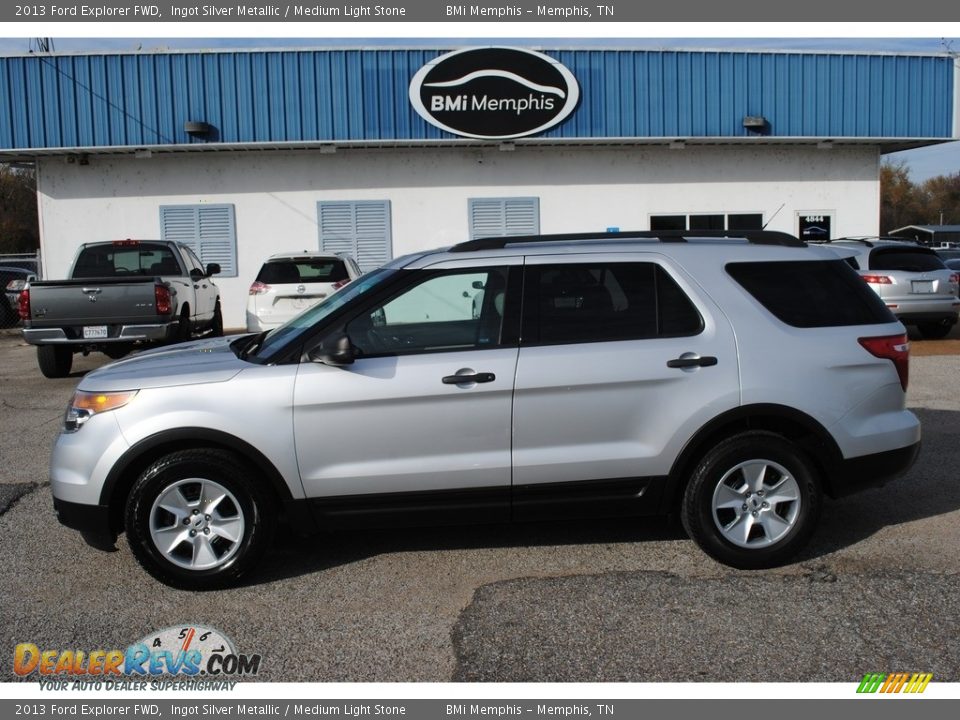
{"type": "Point", "coordinates": [360, 228]}
{"type": "Point", "coordinates": [209, 230]}
{"type": "Point", "coordinates": [497, 217]}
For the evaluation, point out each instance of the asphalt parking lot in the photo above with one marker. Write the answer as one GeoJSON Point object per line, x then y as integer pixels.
{"type": "Point", "coordinates": [875, 592]}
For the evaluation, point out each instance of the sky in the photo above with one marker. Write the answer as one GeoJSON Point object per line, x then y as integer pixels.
{"type": "Point", "coordinates": [923, 163]}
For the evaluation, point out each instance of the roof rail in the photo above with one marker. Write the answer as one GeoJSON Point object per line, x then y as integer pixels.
{"type": "Point", "coordinates": [755, 237]}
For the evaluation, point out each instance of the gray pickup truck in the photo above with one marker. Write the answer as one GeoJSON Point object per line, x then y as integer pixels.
{"type": "Point", "coordinates": [120, 294]}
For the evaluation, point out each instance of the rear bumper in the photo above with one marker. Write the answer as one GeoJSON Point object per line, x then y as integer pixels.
{"type": "Point", "coordinates": [943, 317]}
{"type": "Point", "coordinates": [867, 471]}
{"type": "Point", "coordinates": [125, 334]}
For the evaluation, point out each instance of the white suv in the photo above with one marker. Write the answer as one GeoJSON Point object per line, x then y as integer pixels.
{"type": "Point", "coordinates": [289, 283]}
{"type": "Point", "coordinates": [731, 381]}
{"type": "Point", "coordinates": [912, 280]}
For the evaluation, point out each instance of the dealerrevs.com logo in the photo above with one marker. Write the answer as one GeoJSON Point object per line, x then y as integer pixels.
{"type": "Point", "coordinates": [184, 657]}
{"type": "Point", "coordinates": [494, 93]}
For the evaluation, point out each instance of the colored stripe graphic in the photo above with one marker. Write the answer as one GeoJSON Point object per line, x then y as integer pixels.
{"type": "Point", "coordinates": [894, 682]}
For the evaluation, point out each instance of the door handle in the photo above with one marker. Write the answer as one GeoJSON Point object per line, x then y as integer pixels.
{"type": "Point", "coordinates": [464, 379]}
{"type": "Point", "coordinates": [690, 360]}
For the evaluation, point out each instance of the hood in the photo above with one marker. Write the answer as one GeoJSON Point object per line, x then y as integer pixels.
{"type": "Point", "coordinates": [201, 361]}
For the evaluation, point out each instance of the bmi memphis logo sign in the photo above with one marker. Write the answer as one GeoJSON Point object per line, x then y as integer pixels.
{"type": "Point", "coordinates": [494, 93]}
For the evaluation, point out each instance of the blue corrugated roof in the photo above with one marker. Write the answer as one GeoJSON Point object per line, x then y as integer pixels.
{"type": "Point", "coordinates": [250, 97]}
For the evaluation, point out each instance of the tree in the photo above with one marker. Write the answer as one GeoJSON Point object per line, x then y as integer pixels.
{"type": "Point", "coordinates": [901, 202]}
{"type": "Point", "coordinates": [19, 226]}
{"type": "Point", "coordinates": [942, 197]}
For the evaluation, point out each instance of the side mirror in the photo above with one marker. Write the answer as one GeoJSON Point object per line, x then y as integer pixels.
{"type": "Point", "coordinates": [196, 275]}
{"type": "Point", "coordinates": [477, 285]}
{"type": "Point", "coordinates": [213, 269]}
{"type": "Point", "coordinates": [336, 351]}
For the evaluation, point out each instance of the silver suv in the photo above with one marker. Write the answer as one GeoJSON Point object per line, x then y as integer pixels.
{"type": "Point", "coordinates": [912, 281]}
{"type": "Point", "coordinates": [623, 374]}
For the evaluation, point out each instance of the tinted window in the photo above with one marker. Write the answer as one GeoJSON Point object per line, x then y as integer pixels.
{"type": "Point", "coordinates": [608, 302]}
{"type": "Point", "coordinates": [459, 310]}
{"type": "Point", "coordinates": [302, 271]}
{"type": "Point", "coordinates": [908, 259]}
{"type": "Point", "coordinates": [812, 293]}
{"type": "Point", "coordinates": [123, 259]}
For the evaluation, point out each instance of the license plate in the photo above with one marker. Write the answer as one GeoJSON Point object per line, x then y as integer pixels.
{"type": "Point", "coordinates": [922, 286]}
{"type": "Point", "coordinates": [94, 332]}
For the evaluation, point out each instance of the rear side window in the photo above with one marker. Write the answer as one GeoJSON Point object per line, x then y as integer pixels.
{"type": "Point", "coordinates": [607, 302]}
{"type": "Point", "coordinates": [808, 294]}
{"type": "Point", "coordinates": [905, 259]}
{"type": "Point", "coordinates": [302, 271]}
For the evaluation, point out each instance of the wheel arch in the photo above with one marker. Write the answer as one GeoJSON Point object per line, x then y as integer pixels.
{"type": "Point", "coordinates": [798, 427]}
{"type": "Point", "coordinates": [123, 474]}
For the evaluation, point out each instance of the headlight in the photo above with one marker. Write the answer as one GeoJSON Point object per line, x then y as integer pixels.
{"type": "Point", "coordinates": [85, 405]}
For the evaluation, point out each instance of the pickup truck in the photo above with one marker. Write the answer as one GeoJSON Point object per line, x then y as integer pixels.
{"type": "Point", "coordinates": [120, 294]}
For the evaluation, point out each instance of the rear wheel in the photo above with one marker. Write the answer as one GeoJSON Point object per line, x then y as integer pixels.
{"type": "Point", "coordinates": [753, 501]}
{"type": "Point", "coordinates": [185, 326]}
{"type": "Point", "coordinates": [55, 361]}
{"type": "Point", "coordinates": [934, 330]}
{"type": "Point", "coordinates": [197, 520]}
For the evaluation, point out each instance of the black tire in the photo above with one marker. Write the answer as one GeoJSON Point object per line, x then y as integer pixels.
{"type": "Point", "coordinates": [185, 326]}
{"type": "Point", "coordinates": [934, 331]}
{"type": "Point", "coordinates": [762, 546]}
{"type": "Point", "coordinates": [55, 361]}
{"type": "Point", "coordinates": [178, 475]}
{"type": "Point", "coordinates": [216, 325]}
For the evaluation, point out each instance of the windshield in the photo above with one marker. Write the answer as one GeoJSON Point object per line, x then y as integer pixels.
{"type": "Point", "coordinates": [288, 334]}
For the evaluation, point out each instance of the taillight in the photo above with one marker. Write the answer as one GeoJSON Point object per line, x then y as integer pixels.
{"type": "Point", "coordinates": [877, 279]}
{"type": "Point", "coordinates": [895, 348]}
{"type": "Point", "coordinates": [23, 304]}
{"type": "Point", "coordinates": [340, 283]}
{"type": "Point", "coordinates": [955, 279]}
{"type": "Point", "coordinates": [259, 288]}
{"type": "Point", "coordinates": [161, 294]}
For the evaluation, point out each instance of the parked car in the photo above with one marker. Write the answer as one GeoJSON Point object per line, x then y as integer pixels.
{"type": "Point", "coordinates": [12, 280]}
{"type": "Point", "coordinates": [289, 283]}
{"type": "Point", "coordinates": [911, 279]}
{"type": "Point", "coordinates": [120, 294]}
{"type": "Point", "coordinates": [733, 382]}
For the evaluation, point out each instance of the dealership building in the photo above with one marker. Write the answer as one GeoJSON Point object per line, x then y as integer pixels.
{"type": "Point", "coordinates": [381, 152]}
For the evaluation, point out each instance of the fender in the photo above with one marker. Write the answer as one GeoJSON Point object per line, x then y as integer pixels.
{"type": "Point", "coordinates": [123, 473]}
{"type": "Point", "coordinates": [793, 424]}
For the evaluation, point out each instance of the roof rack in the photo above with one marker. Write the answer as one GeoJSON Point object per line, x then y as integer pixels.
{"type": "Point", "coordinates": [867, 240]}
{"type": "Point", "coordinates": [755, 237]}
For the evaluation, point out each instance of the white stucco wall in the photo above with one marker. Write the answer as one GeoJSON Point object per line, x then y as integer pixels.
{"type": "Point", "coordinates": [580, 189]}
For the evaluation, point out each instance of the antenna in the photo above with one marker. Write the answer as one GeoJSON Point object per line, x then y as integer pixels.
{"type": "Point", "coordinates": [42, 45]}
{"type": "Point", "coordinates": [772, 217]}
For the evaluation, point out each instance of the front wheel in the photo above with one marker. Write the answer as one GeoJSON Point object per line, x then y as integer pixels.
{"type": "Point", "coordinates": [753, 501]}
{"type": "Point", "coordinates": [216, 325]}
{"type": "Point", "coordinates": [196, 519]}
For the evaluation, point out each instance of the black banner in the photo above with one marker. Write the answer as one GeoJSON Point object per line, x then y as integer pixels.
{"type": "Point", "coordinates": [589, 11]}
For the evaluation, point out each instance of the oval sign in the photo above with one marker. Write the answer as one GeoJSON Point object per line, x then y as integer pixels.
{"type": "Point", "coordinates": [494, 93]}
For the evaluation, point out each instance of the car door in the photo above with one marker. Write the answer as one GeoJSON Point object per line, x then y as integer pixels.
{"type": "Point", "coordinates": [622, 359]}
{"type": "Point", "coordinates": [397, 435]}
{"type": "Point", "coordinates": [205, 291]}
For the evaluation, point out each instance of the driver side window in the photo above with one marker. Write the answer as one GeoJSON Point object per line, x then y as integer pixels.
{"type": "Point", "coordinates": [449, 310]}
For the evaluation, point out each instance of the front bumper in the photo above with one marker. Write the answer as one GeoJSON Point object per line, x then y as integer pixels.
{"type": "Point", "coordinates": [93, 522]}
